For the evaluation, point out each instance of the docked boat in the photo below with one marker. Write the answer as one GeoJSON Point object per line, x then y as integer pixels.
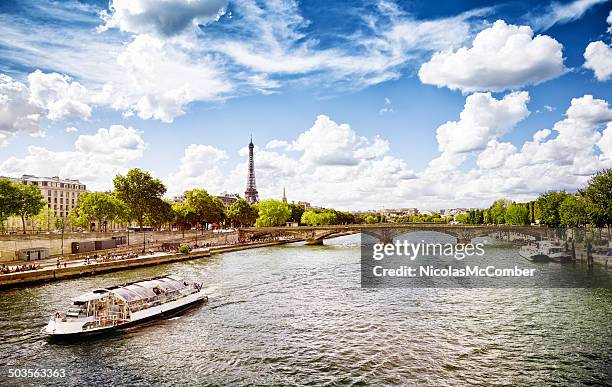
{"type": "Point", "coordinates": [125, 305]}
{"type": "Point", "coordinates": [544, 251]}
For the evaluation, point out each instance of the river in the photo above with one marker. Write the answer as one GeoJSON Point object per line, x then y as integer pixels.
{"type": "Point", "coordinates": [296, 314]}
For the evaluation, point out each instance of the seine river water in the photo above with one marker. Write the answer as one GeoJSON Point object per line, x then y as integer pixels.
{"type": "Point", "coordinates": [295, 314]}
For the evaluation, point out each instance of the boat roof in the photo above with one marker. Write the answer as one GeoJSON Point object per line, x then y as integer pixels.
{"type": "Point", "coordinates": [89, 296]}
{"type": "Point", "coordinates": [134, 291]}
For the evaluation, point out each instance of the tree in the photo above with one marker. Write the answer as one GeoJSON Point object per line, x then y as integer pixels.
{"type": "Point", "coordinates": [272, 213]}
{"type": "Point", "coordinates": [370, 219]}
{"type": "Point", "coordinates": [29, 202]}
{"type": "Point", "coordinates": [549, 203]}
{"type": "Point", "coordinates": [60, 224]}
{"type": "Point", "coordinates": [599, 196]}
{"type": "Point", "coordinates": [497, 211]}
{"type": "Point", "coordinates": [161, 215]}
{"type": "Point", "coordinates": [319, 218]}
{"type": "Point", "coordinates": [140, 192]}
{"type": "Point", "coordinates": [517, 214]}
{"type": "Point", "coordinates": [243, 213]}
{"type": "Point", "coordinates": [296, 212]}
{"type": "Point", "coordinates": [573, 211]}
{"type": "Point", "coordinates": [8, 200]}
{"type": "Point", "coordinates": [99, 207]}
{"type": "Point", "coordinates": [184, 216]}
{"type": "Point", "coordinates": [207, 208]}
{"type": "Point", "coordinates": [76, 220]}
{"type": "Point", "coordinates": [43, 219]}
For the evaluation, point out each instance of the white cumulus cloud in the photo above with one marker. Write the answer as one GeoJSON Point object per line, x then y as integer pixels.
{"type": "Point", "coordinates": [95, 160]}
{"type": "Point", "coordinates": [503, 56]}
{"type": "Point", "coordinates": [161, 17]}
{"type": "Point", "coordinates": [598, 57]}
{"type": "Point", "coordinates": [58, 95]}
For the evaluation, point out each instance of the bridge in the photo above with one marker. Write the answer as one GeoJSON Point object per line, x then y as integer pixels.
{"type": "Point", "coordinates": [386, 232]}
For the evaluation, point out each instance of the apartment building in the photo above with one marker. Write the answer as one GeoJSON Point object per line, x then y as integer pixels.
{"type": "Point", "coordinates": [61, 195]}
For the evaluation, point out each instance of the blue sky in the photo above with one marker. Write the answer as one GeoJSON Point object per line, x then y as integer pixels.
{"type": "Point", "coordinates": [376, 104]}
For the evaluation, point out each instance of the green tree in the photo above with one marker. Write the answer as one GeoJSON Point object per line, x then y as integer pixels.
{"type": "Point", "coordinates": [549, 204]}
{"type": "Point", "coordinates": [370, 219]}
{"type": "Point", "coordinates": [140, 192]}
{"type": "Point", "coordinates": [497, 211]}
{"type": "Point", "coordinates": [184, 216]}
{"type": "Point", "coordinates": [319, 218]}
{"type": "Point", "coordinates": [99, 207]}
{"type": "Point", "coordinates": [272, 213]}
{"type": "Point", "coordinates": [29, 202]}
{"type": "Point", "coordinates": [242, 213]}
{"type": "Point", "coordinates": [44, 219]}
{"type": "Point", "coordinates": [163, 214]}
{"type": "Point", "coordinates": [599, 196]}
{"type": "Point", "coordinates": [76, 220]}
{"type": "Point", "coordinates": [296, 212]}
{"type": "Point", "coordinates": [517, 214]}
{"type": "Point", "coordinates": [9, 201]}
{"type": "Point", "coordinates": [573, 211]}
{"type": "Point", "coordinates": [207, 208]}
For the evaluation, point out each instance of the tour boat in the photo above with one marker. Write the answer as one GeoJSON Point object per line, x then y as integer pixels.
{"type": "Point", "coordinates": [544, 251]}
{"type": "Point", "coordinates": [121, 306]}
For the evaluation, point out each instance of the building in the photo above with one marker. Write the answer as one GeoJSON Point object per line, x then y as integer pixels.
{"type": "Point", "coordinates": [394, 213]}
{"type": "Point", "coordinates": [228, 198]}
{"type": "Point", "coordinates": [61, 195]}
{"type": "Point", "coordinates": [306, 205]}
{"type": "Point", "coordinates": [251, 194]}
{"type": "Point", "coordinates": [179, 199]}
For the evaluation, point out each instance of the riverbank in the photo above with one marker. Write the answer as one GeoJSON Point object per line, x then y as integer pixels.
{"type": "Point", "coordinates": [81, 269]}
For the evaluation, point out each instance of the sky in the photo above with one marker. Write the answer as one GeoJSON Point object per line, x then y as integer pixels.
{"type": "Point", "coordinates": [376, 104]}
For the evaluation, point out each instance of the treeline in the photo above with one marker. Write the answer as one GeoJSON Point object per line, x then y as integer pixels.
{"type": "Point", "coordinates": [591, 205]}
{"type": "Point", "coordinates": [137, 197]}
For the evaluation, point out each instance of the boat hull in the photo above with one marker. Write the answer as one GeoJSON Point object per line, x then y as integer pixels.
{"type": "Point", "coordinates": [118, 327]}
{"type": "Point", "coordinates": [535, 257]}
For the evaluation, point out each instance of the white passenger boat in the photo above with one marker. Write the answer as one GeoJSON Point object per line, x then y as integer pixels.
{"type": "Point", "coordinates": [125, 305]}
{"type": "Point", "coordinates": [544, 251]}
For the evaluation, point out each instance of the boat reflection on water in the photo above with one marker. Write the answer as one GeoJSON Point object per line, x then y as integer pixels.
{"type": "Point", "coordinates": [122, 306]}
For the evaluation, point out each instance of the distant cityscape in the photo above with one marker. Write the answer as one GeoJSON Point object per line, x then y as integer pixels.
{"type": "Point", "coordinates": [62, 195]}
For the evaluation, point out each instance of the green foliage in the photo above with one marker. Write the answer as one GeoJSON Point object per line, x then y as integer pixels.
{"type": "Point", "coordinates": [184, 216]}
{"type": "Point", "coordinates": [296, 212]}
{"type": "Point", "coordinates": [272, 213]}
{"type": "Point", "coordinates": [517, 214]}
{"type": "Point", "coordinates": [8, 200]}
{"type": "Point", "coordinates": [370, 219]}
{"type": "Point", "coordinates": [319, 218]}
{"type": "Point", "coordinates": [497, 211]}
{"type": "Point", "coordinates": [44, 220]}
{"type": "Point", "coordinates": [76, 220]}
{"type": "Point", "coordinates": [573, 211]}
{"type": "Point", "coordinates": [205, 207]}
{"type": "Point", "coordinates": [549, 204]}
{"type": "Point", "coordinates": [162, 214]}
{"type": "Point", "coordinates": [599, 196]}
{"type": "Point", "coordinates": [140, 192]}
{"type": "Point", "coordinates": [471, 217]}
{"type": "Point", "coordinates": [29, 202]}
{"type": "Point", "coordinates": [183, 249]}
{"type": "Point", "coordinates": [99, 207]}
{"type": "Point", "coordinates": [345, 217]}
{"type": "Point", "coordinates": [243, 213]}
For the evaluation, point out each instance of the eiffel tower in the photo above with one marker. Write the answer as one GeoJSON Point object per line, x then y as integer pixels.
{"type": "Point", "coordinates": [250, 194]}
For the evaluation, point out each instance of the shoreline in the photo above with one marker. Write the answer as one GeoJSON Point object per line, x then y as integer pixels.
{"type": "Point", "coordinates": [45, 275]}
